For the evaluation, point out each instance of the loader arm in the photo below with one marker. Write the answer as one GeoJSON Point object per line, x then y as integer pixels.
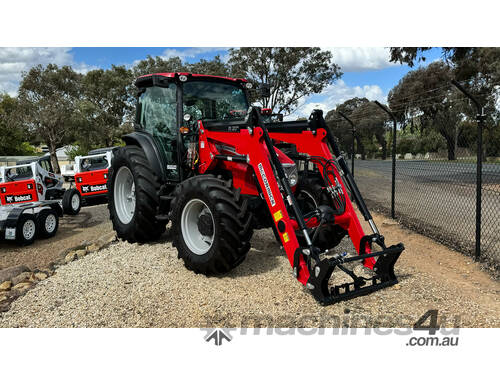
{"type": "Point", "coordinates": [254, 147]}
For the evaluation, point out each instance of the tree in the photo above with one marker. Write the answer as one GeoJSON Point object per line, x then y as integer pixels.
{"type": "Point", "coordinates": [369, 121]}
{"type": "Point", "coordinates": [47, 98]}
{"type": "Point", "coordinates": [215, 67]}
{"type": "Point", "coordinates": [12, 133]}
{"type": "Point", "coordinates": [439, 110]}
{"type": "Point", "coordinates": [105, 103]}
{"type": "Point", "coordinates": [342, 129]}
{"type": "Point", "coordinates": [292, 73]}
{"type": "Point", "coordinates": [158, 65]}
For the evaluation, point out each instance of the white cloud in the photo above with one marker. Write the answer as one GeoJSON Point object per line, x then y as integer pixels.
{"type": "Point", "coordinates": [14, 61]}
{"type": "Point", "coordinates": [336, 94]}
{"type": "Point", "coordinates": [356, 59]}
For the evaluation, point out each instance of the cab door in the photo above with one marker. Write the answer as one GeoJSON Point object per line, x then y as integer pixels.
{"type": "Point", "coordinates": [157, 115]}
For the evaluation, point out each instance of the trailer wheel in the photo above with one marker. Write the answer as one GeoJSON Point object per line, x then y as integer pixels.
{"type": "Point", "coordinates": [26, 230]}
{"type": "Point", "coordinates": [310, 194]}
{"type": "Point", "coordinates": [72, 202]}
{"type": "Point", "coordinates": [47, 223]}
{"type": "Point", "coordinates": [133, 196]}
{"type": "Point", "coordinates": [211, 225]}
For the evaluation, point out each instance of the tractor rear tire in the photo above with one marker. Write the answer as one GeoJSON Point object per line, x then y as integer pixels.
{"type": "Point", "coordinates": [72, 202]}
{"type": "Point", "coordinates": [310, 194]}
{"type": "Point", "coordinates": [211, 225]}
{"type": "Point", "coordinates": [139, 224]}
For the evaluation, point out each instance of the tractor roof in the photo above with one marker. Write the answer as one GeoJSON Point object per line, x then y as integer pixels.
{"type": "Point", "coordinates": [146, 77]}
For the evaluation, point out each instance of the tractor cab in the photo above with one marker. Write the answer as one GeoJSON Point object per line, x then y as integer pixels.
{"type": "Point", "coordinates": [169, 104]}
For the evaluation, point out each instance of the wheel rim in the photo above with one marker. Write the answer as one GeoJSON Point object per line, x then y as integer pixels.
{"type": "Point", "coordinates": [28, 229]}
{"type": "Point", "coordinates": [124, 195]}
{"type": "Point", "coordinates": [198, 242]}
{"type": "Point", "coordinates": [50, 223]}
{"type": "Point", "coordinates": [75, 202]}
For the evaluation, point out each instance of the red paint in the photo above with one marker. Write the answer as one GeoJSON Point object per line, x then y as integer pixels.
{"type": "Point", "coordinates": [17, 190]}
{"type": "Point", "coordinates": [85, 182]}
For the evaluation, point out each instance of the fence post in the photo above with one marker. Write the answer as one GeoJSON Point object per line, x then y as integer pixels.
{"type": "Point", "coordinates": [353, 128]}
{"type": "Point", "coordinates": [393, 187]}
{"type": "Point", "coordinates": [479, 165]}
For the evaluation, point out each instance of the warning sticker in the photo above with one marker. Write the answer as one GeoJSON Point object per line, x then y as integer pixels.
{"type": "Point", "coordinates": [278, 215]}
{"type": "Point", "coordinates": [285, 237]}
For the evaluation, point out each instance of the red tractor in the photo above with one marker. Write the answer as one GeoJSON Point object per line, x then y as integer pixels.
{"type": "Point", "coordinates": [202, 158]}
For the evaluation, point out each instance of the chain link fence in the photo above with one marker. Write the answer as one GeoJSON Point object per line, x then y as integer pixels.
{"type": "Point", "coordinates": [437, 197]}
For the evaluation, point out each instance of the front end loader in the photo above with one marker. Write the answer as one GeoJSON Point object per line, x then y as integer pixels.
{"type": "Point", "coordinates": [203, 158]}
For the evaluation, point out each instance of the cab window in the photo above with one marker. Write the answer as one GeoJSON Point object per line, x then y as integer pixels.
{"type": "Point", "coordinates": [158, 116]}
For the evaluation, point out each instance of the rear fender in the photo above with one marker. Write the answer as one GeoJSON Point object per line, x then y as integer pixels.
{"type": "Point", "coordinates": [146, 142]}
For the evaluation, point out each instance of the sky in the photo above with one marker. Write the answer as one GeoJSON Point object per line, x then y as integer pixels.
{"type": "Point", "coordinates": [367, 71]}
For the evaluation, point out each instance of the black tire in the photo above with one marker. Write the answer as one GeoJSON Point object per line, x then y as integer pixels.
{"type": "Point", "coordinates": [232, 227]}
{"type": "Point", "coordinates": [143, 226]}
{"type": "Point", "coordinates": [66, 202]}
{"type": "Point", "coordinates": [21, 239]}
{"type": "Point", "coordinates": [310, 194]}
{"type": "Point", "coordinates": [43, 230]}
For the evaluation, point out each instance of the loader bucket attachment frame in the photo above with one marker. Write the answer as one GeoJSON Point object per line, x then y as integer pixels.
{"type": "Point", "coordinates": [325, 294]}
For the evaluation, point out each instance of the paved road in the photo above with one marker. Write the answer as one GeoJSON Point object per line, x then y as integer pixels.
{"type": "Point", "coordinates": [437, 171]}
{"type": "Point", "coordinates": [438, 199]}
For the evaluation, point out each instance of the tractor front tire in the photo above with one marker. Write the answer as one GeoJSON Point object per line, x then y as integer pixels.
{"type": "Point", "coordinates": [211, 225]}
{"type": "Point", "coordinates": [133, 197]}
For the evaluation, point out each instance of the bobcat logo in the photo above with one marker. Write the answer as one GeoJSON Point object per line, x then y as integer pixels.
{"type": "Point", "coordinates": [217, 335]}
{"type": "Point", "coordinates": [9, 199]}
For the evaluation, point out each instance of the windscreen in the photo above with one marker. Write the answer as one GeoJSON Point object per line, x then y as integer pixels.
{"type": "Point", "coordinates": [94, 164]}
{"type": "Point", "coordinates": [205, 100]}
{"type": "Point", "coordinates": [18, 173]}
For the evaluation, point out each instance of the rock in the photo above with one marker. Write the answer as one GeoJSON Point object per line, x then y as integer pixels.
{"type": "Point", "coordinates": [6, 285]}
{"type": "Point", "coordinates": [9, 273]}
{"type": "Point", "coordinates": [40, 275]}
{"type": "Point", "coordinates": [3, 297]}
{"type": "Point", "coordinates": [64, 252]}
{"type": "Point", "coordinates": [397, 286]}
{"type": "Point", "coordinates": [70, 256]}
{"type": "Point", "coordinates": [22, 286]}
{"type": "Point", "coordinates": [92, 248]}
{"type": "Point", "coordinates": [21, 277]}
{"type": "Point", "coordinates": [81, 253]}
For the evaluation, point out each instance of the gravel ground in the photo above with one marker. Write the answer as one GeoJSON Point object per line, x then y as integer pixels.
{"type": "Point", "coordinates": [89, 224]}
{"type": "Point", "coordinates": [147, 286]}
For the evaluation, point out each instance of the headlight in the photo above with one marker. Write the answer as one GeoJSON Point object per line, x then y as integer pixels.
{"type": "Point", "coordinates": [291, 173]}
